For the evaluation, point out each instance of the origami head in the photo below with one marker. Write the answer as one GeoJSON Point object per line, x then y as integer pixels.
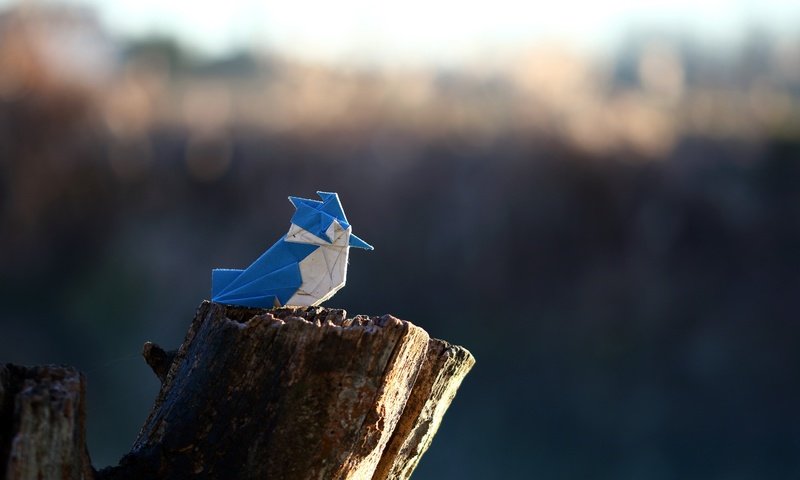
{"type": "Point", "coordinates": [325, 221]}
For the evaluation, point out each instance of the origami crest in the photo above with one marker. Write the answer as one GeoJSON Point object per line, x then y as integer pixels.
{"type": "Point", "coordinates": [305, 267]}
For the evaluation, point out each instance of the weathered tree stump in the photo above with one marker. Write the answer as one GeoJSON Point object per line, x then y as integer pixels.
{"type": "Point", "coordinates": [42, 423]}
{"type": "Point", "coordinates": [289, 393]}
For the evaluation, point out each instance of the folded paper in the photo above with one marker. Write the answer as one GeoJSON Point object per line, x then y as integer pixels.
{"type": "Point", "coordinates": [305, 267]}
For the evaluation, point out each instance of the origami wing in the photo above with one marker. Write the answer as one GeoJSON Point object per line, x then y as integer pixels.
{"type": "Point", "coordinates": [269, 281]}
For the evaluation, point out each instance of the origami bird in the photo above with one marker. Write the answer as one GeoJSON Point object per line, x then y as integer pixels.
{"type": "Point", "coordinates": [305, 267]}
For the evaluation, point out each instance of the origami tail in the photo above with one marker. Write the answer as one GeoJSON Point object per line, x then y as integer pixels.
{"type": "Point", "coordinates": [221, 278]}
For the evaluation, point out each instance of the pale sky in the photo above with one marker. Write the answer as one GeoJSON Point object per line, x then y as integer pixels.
{"type": "Point", "coordinates": [423, 31]}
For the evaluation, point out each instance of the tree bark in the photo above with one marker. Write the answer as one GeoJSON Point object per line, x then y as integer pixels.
{"type": "Point", "coordinates": [288, 393]}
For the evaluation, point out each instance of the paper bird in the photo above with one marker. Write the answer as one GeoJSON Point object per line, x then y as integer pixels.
{"type": "Point", "coordinates": [305, 267]}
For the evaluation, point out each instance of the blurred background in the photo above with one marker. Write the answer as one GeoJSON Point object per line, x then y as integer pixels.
{"type": "Point", "coordinates": [601, 202]}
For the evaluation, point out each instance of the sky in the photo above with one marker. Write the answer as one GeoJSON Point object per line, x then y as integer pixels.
{"type": "Point", "coordinates": [423, 31]}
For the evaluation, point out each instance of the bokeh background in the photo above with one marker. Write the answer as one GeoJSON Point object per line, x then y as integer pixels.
{"type": "Point", "coordinates": [601, 202]}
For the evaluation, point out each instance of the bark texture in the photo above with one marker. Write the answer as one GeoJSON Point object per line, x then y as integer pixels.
{"type": "Point", "coordinates": [42, 423]}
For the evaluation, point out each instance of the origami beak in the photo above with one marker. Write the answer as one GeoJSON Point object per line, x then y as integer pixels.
{"type": "Point", "coordinates": [358, 243]}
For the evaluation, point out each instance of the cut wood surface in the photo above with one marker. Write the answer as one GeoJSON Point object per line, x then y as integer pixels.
{"type": "Point", "coordinates": [287, 393]}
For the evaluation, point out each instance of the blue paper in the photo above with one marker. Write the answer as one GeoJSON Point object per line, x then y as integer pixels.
{"type": "Point", "coordinates": [305, 267]}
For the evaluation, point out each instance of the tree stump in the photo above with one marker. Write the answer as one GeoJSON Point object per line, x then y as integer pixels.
{"type": "Point", "coordinates": [42, 423]}
{"type": "Point", "coordinates": [290, 393]}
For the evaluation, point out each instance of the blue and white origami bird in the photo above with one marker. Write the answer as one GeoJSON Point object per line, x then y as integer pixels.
{"type": "Point", "coordinates": [305, 267]}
